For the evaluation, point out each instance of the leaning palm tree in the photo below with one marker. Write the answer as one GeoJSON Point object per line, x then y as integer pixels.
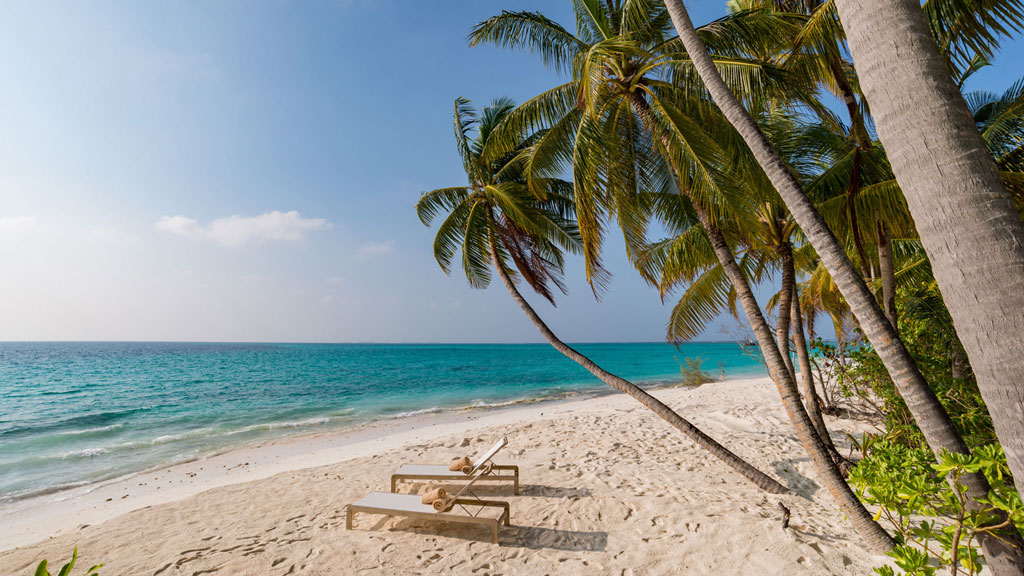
{"type": "Point", "coordinates": [627, 124]}
{"type": "Point", "coordinates": [497, 222]}
{"type": "Point", "coordinates": [966, 218]}
{"type": "Point", "coordinates": [934, 422]}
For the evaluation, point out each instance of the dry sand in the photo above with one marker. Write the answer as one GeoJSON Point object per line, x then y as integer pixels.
{"type": "Point", "coordinates": [608, 488]}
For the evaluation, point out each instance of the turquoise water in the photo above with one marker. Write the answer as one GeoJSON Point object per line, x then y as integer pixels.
{"type": "Point", "coordinates": [77, 413]}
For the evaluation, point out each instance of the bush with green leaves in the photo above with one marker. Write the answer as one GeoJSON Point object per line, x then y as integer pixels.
{"type": "Point", "coordinates": [693, 373]}
{"type": "Point", "coordinates": [925, 502]}
{"type": "Point", "coordinates": [918, 496]}
{"type": "Point", "coordinates": [65, 570]}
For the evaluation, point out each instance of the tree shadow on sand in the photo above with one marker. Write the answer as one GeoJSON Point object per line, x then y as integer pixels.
{"type": "Point", "coordinates": [536, 490]}
{"type": "Point", "coordinates": [540, 538]}
{"type": "Point", "coordinates": [532, 537]}
{"type": "Point", "coordinates": [795, 481]}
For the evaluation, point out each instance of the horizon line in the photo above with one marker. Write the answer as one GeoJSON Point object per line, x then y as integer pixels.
{"type": "Point", "coordinates": [364, 342]}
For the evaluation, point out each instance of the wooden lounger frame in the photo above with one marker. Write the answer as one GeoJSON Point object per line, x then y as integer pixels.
{"type": "Point", "coordinates": [496, 475]}
{"type": "Point", "coordinates": [491, 472]}
{"type": "Point", "coordinates": [493, 523]}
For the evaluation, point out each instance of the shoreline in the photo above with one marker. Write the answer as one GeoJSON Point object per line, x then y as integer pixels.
{"type": "Point", "coordinates": [606, 487]}
{"type": "Point", "coordinates": [27, 521]}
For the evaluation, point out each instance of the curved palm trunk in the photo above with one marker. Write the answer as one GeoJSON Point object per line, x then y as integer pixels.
{"type": "Point", "coordinates": [757, 477]}
{"type": "Point", "coordinates": [931, 418]}
{"type": "Point", "coordinates": [888, 273]}
{"type": "Point", "coordinates": [828, 472]}
{"type": "Point", "coordinates": [785, 252]}
{"type": "Point", "coordinates": [967, 221]}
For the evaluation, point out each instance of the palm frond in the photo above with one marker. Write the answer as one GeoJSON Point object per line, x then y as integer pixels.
{"type": "Point", "coordinates": [555, 45]}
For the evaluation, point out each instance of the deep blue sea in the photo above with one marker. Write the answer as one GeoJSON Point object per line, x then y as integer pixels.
{"type": "Point", "coordinates": [77, 413]}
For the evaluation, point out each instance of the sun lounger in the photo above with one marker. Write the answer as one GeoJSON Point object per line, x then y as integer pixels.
{"type": "Point", "coordinates": [493, 472]}
{"type": "Point", "coordinates": [462, 508]}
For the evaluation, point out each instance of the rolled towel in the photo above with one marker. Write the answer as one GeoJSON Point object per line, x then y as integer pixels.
{"type": "Point", "coordinates": [441, 504]}
{"type": "Point", "coordinates": [467, 469]}
{"type": "Point", "coordinates": [434, 495]}
{"type": "Point", "coordinates": [460, 464]}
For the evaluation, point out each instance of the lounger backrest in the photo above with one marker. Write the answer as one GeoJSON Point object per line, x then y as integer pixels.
{"type": "Point", "coordinates": [489, 454]}
{"type": "Point", "coordinates": [476, 476]}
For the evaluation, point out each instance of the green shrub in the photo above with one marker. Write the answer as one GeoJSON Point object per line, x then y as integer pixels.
{"type": "Point", "coordinates": [66, 569]}
{"type": "Point", "coordinates": [925, 502]}
{"type": "Point", "coordinates": [693, 373]}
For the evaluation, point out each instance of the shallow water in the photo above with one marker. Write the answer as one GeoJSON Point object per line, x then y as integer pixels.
{"type": "Point", "coordinates": [77, 413]}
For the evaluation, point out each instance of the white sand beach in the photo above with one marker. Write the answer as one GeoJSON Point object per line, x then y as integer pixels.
{"type": "Point", "coordinates": [607, 488]}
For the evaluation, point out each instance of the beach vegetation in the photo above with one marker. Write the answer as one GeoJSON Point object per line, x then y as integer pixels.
{"type": "Point", "coordinates": [692, 373]}
{"type": "Point", "coordinates": [925, 497]}
{"type": "Point", "coordinates": [925, 502]}
{"type": "Point", "coordinates": [65, 570]}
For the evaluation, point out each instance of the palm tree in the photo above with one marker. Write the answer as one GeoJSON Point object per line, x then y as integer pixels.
{"type": "Point", "coordinates": [967, 32]}
{"type": "Point", "coordinates": [687, 259]}
{"type": "Point", "coordinates": [497, 221]}
{"type": "Point", "coordinates": [934, 422]}
{"type": "Point", "coordinates": [629, 124]}
{"type": "Point", "coordinates": [967, 220]}
{"type": "Point", "coordinates": [1000, 119]}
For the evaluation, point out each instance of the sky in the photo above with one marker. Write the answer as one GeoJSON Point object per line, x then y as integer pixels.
{"type": "Point", "coordinates": [246, 170]}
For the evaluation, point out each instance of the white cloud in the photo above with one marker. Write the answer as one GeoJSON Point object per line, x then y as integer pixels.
{"type": "Point", "coordinates": [367, 251]}
{"type": "Point", "coordinates": [16, 224]}
{"type": "Point", "coordinates": [179, 225]}
{"type": "Point", "coordinates": [240, 230]}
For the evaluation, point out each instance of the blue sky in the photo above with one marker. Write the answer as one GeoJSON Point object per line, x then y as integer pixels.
{"type": "Point", "coordinates": [246, 170]}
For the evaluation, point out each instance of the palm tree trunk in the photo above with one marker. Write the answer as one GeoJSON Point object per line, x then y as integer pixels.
{"type": "Point", "coordinates": [803, 357]}
{"type": "Point", "coordinates": [849, 98]}
{"type": "Point", "coordinates": [960, 368]}
{"type": "Point", "coordinates": [888, 273]}
{"type": "Point", "coordinates": [781, 374]}
{"type": "Point", "coordinates": [758, 478]}
{"type": "Point", "coordinates": [785, 252]}
{"type": "Point", "coordinates": [851, 212]}
{"type": "Point", "coordinates": [932, 419]}
{"type": "Point", "coordinates": [828, 472]}
{"type": "Point", "coordinates": [967, 221]}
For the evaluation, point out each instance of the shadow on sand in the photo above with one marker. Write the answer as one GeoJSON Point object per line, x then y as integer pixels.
{"type": "Point", "coordinates": [539, 538]}
{"type": "Point", "coordinates": [532, 537]}
{"type": "Point", "coordinates": [795, 481]}
{"type": "Point", "coordinates": [539, 491]}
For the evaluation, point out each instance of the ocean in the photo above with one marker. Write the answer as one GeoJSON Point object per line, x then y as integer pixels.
{"type": "Point", "coordinates": [73, 414]}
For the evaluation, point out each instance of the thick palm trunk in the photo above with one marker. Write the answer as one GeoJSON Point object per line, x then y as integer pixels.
{"type": "Point", "coordinates": [932, 419]}
{"type": "Point", "coordinates": [888, 273]}
{"type": "Point", "coordinates": [967, 221]}
{"type": "Point", "coordinates": [755, 476]}
{"type": "Point", "coordinates": [828, 472]}
{"type": "Point", "coordinates": [785, 252]}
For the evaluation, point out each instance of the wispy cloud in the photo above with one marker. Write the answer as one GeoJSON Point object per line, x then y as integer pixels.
{"type": "Point", "coordinates": [238, 230]}
{"type": "Point", "coordinates": [371, 250]}
{"type": "Point", "coordinates": [16, 224]}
